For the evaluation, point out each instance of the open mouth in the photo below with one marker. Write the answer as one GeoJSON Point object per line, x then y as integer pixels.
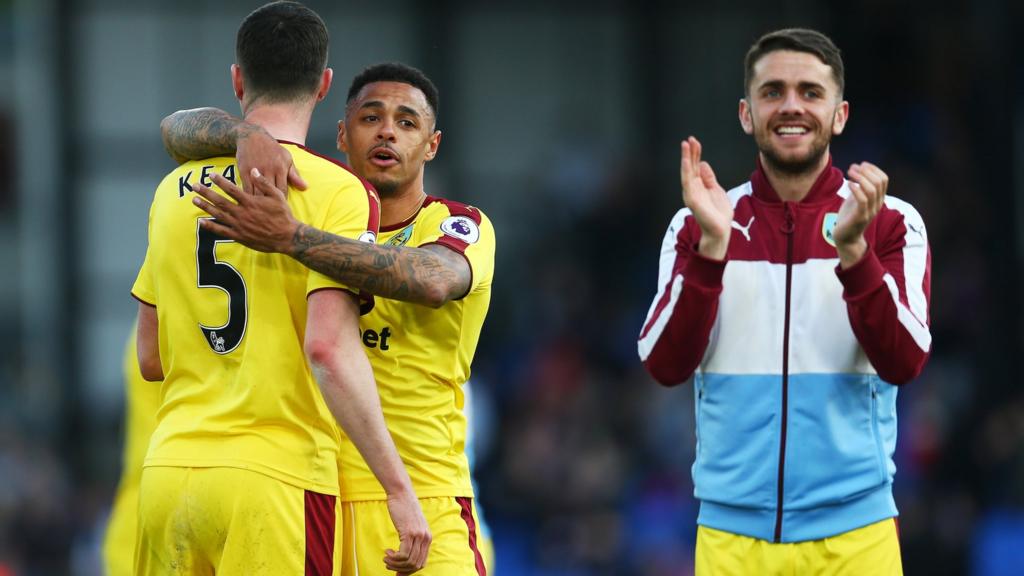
{"type": "Point", "coordinates": [384, 156]}
{"type": "Point", "coordinates": [791, 130]}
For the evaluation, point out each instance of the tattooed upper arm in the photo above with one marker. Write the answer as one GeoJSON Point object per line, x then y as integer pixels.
{"type": "Point", "coordinates": [201, 133]}
{"type": "Point", "coordinates": [455, 273]}
{"type": "Point", "coordinates": [430, 275]}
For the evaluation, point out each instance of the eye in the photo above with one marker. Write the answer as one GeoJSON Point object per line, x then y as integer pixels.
{"type": "Point", "coordinates": [772, 93]}
{"type": "Point", "coordinates": [405, 123]}
{"type": "Point", "coordinates": [812, 94]}
{"type": "Point", "coordinates": [370, 118]}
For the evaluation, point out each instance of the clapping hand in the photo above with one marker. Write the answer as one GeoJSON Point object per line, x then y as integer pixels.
{"type": "Point", "coordinates": [707, 200]}
{"type": "Point", "coordinates": [867, 195]}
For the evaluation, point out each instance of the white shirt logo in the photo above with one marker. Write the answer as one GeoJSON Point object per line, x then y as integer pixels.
{"type": "Point", "coordinates": [461, 228]}
{"type": "Point", "coordinates": [745, 230]}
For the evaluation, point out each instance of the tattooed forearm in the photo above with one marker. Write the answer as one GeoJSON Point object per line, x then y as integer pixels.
{"type": "Point", "coordinates": [202, 133]}
{"type": "Point", "coordinates": [430, 275]}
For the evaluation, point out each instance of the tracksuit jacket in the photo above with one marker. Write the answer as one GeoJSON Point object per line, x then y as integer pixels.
{"type": "Point", "coordinates": [795, 362]}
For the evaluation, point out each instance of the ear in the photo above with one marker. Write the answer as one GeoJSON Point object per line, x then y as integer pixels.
{"type": "Point", "coordinates": [842, 115]}
{"type": "Point", "coordinates": [342, 146]}
{"type": "Point", "coordinates": [432, 145]}
{"type": "Point", "coordinates": [237, 83]}
{"type": "Point", "coordinates": [746, 116]}
{"type": "Point", "coordinates": [325, 84]}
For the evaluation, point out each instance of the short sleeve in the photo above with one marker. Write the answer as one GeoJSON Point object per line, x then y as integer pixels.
{"type": "Point", "coordinates": [354, 213]}
{"type": "Point", "coordinates": [467, 231]}
{"type": "Point", "coordinates": [144, 289]}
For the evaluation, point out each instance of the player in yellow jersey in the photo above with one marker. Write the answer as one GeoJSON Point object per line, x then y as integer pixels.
{"type": "Point", "coordinates": [241, 475]}
{"type": "Point", "coordinates": [434, 264]}
{"type": "Point", "coordinates": [142, 399]}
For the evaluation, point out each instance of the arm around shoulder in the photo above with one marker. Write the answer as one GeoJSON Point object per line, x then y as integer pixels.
{"type": "Point", "coordinates": [430, 275]}
{"type": "Point", "coordinates": [200, 133]}
{"type": "Point", "coordinates": [465, 249]}
{"type": "Point", "coordinates": [445, 275]}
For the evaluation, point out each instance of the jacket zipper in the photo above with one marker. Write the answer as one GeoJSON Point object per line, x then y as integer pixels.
{"type": "Point", "coordinates": [787, 228]}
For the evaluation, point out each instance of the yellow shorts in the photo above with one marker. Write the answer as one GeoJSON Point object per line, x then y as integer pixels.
{"type": "Point", "coordinates": [231, 521]}
{"type": "Point", "coordinates": [119, 540]}
{"type": "Point", "coordinates": [873, 549]}
{"type": "Point", "coordinates": [486, 546]}
{"type": "Point", "coordinates": [454, 549]}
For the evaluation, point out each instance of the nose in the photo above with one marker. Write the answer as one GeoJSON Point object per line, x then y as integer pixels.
{"type": "Point", "coordinates": [386, 131]}
{"type": "Point", "coordinates": [791, 103]}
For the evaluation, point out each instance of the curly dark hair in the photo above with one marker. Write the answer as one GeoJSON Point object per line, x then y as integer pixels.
{"type": "Point", "coordinates": [396, 72]}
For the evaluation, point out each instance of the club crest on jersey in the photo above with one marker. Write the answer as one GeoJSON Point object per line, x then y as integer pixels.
{"type": "Point", "coordinates": [828, 225]}
{"type": "Point", "coordinates": [402, 238]}
{"type": "Point", "coordinates": [461, 228]}
{"type": "Point", "coordinates": [368, 237]}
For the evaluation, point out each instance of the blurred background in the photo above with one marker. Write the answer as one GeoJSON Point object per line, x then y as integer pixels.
{"type": "Point", "coordinates": [562, 122]}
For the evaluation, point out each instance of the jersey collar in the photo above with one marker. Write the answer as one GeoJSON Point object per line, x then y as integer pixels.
{"type": "Point", "coordinates": [827, 184]}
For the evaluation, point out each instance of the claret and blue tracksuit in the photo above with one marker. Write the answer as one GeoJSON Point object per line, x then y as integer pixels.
{"type": "Point", "coordinates": [795, 363]}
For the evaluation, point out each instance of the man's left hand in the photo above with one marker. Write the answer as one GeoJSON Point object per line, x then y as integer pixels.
{"type": "Point", "coordinates": [867, 195]}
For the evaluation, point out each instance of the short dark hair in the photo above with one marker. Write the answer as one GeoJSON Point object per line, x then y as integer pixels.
{"type": "Point", "coordinates": [395, 72]}
{"type": "Point", "coordinates": [797, 40]}
{"type": "Point", "coordinates": [282, 50]}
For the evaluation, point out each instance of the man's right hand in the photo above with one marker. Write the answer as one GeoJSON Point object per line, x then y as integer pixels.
{"type": "Point", "coordinates": [258, 149]}
{"type": "Point", "coordinates": [413, 535]}
{"type": "Point", "coordinates": [707, 200]}
{"type": "Point", "coordinates": [262, 221]}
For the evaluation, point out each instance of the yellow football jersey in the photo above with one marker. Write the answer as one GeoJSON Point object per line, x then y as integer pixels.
{"type": "Point", "coordinates": [237, 390]}
{"type": "Point", "coordinates": [142, 399]}
{"type": "Point", "coordinates": [421, 358]}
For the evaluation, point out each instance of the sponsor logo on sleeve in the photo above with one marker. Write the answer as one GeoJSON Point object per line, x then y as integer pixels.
{"type": "Point", "coordinates": [461, 228]}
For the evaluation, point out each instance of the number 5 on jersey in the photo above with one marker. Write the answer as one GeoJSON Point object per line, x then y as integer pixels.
{"type": "Point", "coordinates": [216, 274]}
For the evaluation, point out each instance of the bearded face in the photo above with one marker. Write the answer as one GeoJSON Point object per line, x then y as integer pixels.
{"type": "Point", "coordinates": [793, 111]}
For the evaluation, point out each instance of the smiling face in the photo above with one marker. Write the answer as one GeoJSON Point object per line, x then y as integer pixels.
{"type": "Point", "coordinates": [388, 134]}
{"type": "Point", "coordinates": [793, 109]}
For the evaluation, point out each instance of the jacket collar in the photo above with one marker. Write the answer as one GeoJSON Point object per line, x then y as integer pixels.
{"type": "Point", "coordinates": [827, 184]}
